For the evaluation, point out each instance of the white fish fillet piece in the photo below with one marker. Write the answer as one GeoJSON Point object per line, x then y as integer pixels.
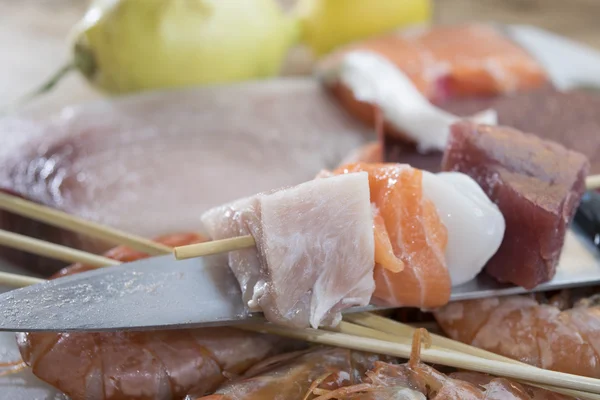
{"type": "Point", "coordinates": [315, 249]}
{"type": "Point", "coordinates": [149, 163]}
{"type": "Point", "coordinates": [239, 218]}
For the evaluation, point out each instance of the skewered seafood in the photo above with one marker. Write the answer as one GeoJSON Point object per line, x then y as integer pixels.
{"type": "Point", "coordinates": [143, 365]}
{"type": "Point", "coordinates": [536, 184]}
{"type": "Point", "coordinates": [292, 283]}
{"type": "Point", "coordinates": [314, 253]}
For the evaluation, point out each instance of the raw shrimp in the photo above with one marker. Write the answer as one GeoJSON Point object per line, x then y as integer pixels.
{"type": "Point", "coordinates": [417, 381]}
{"type": "Point", "coordinates": [503, 389]}
{"type": "Point", "coordinates": [296, 376]}
{"type": "Point", "coordinates": [333, 373]}
{"type": "Point", "coordinates": [521, 328]}
{"type": "Point", "coordinates": [143, 365]}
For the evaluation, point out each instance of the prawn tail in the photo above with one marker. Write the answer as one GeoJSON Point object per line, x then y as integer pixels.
{"type": "Point", "coordinates": [13, 367]}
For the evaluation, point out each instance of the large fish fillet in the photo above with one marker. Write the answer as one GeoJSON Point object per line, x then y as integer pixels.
{"type": "Point", "coordinates": [151, 164]}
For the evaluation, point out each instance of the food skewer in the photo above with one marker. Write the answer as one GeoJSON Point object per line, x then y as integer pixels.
{"type": "Point", "coordinates": [243, 242]}
{"type": "Point", "coordinates": [17, 281]}
{"type": "Point", "coordinates": [47, 249]}
{"type": "Point", "coordinates": [592, 182]}
{"type": "Point", "coordinates": [60, 219]}
{"type": "Point", "coordinates": [437, 355]}
{"type": "Point", "coordinates": [213, 247]}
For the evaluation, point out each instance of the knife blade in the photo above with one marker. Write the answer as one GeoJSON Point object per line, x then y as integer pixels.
{"type": "Point", "coordinates": [588, 217]}
{"type": "Point", "coordinates": [157, 292]}
{"type": "Point", "coordinates": [163, 293]}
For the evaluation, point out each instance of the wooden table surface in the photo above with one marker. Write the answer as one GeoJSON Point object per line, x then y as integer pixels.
{"type": "Point", "coordinates": [33, 37]}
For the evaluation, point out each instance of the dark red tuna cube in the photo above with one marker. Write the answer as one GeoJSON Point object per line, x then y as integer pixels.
{"type": "Point", "coordinates": [536, 183]}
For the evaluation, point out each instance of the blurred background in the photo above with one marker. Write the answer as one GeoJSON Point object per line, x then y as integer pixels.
{"type": "Point", "coordinates": [33, 36]}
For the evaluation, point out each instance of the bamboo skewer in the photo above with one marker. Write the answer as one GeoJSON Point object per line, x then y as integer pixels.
{"type": "Point", "coordinates": [60, 219]}
{"type": "Point", "coordinates": [17, 281]}
{"type": "Point", "coordinates": [592, 182]}
{"type": "Point", "coordinates": [52, 250]}
{"type": "Point", "coordinates": [374, 325]}
{"type": "Point", "coordinates": [213, 247]}
{"type": "Point", "coordinates": [402, 348]}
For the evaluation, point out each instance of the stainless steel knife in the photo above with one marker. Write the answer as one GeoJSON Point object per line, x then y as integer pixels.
{"type": "Point", "coordinates": [162, 293]}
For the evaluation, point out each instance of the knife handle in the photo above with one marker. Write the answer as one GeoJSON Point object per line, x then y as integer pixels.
{"type": "Point", "coordinates": [587, 216]}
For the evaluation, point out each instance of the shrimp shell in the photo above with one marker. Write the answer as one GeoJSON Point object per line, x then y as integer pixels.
{"type": "Point", "coordinates": [521, 328]}
{"type": "Point", "coordinates": [292, 377]}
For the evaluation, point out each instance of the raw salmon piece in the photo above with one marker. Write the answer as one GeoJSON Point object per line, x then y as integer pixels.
{"type": "Point", "coordinates": [417, 235]}
{"type": "Point", "coordinates": [443, 63]}
{"type": "Point", "coordinates": [384, 251]}
{"type": "Point", "coordinates": [455, 61]}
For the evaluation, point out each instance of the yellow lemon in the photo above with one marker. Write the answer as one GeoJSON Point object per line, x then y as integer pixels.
{"type": "Point", "coordinates": [327, 24]}
{"type": "Point", "coordinates": [131, 45]}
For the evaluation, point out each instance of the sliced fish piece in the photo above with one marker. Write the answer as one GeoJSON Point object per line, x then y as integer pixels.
{"type": "Point", "coordinates": [314, 251]}
{"type": "Point", "coordinates": [455, 61]}
{"type": "Point", "coordinates": [416, 234]}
